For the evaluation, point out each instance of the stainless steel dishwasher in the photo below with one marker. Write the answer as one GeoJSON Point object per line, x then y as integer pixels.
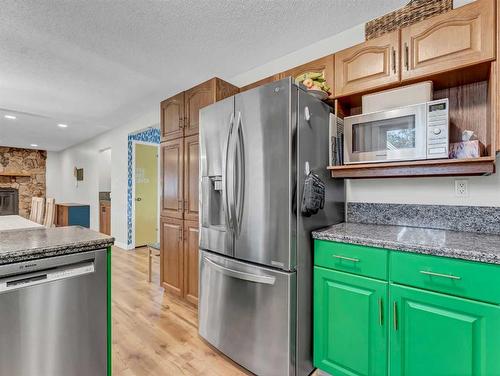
{"type": "Point", "coordinates": [53, 316]}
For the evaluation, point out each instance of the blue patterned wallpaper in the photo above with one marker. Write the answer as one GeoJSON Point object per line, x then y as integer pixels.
{"type": "Point", "coordinates": [151, 135]}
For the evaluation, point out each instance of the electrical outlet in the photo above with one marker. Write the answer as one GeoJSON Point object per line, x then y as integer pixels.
{"type": "Point", "coordinates": [461, 188]}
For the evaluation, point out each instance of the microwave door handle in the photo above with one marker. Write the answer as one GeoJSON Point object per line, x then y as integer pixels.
{"type": "Point", "coordinates": [229, 219]}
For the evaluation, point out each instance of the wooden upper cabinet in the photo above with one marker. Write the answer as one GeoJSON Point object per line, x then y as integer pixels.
{"type": "Point", "coordinates": [201, 96]}
{"type": "Point", "coordinates": [224, 89]}
{"type": "Point", "coordinates": [172, 117]}
{"type": "Point", "coordinates": [172, 255]}
{"type": "Point", "coordinates": [191, 236]}
{"type": "Point", "coordinates": [260, 82]}
{"type": "Point", "coordinates": [172, 171]}
{"type": "Point", "coordinates": [367, 66]}
{"type": "Point", "coordinates": [323, 65]}
{"type": "Point", "coordinates": [462, 37]}
{"type": "Point", "coordinates": [191, 181]}
{"type": "Point", "coordinates": [195, 99]}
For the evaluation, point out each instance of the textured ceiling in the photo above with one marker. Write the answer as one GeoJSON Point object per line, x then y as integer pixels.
{"type": "Point", "coordinates": [95, 65]}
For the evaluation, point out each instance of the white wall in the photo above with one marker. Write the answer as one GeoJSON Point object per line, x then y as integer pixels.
{"type": "Point", "coordinates": [105, 171]}
{"type": "Point", "coordinates": [61, 183]}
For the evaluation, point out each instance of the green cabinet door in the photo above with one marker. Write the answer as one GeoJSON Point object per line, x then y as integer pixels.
{"type": "Point", "coordinates": [439, 335]}
{"type": "Point", "coordinates": [350, 326]}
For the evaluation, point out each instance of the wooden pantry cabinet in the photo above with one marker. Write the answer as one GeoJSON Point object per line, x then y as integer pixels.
{"type": "Point", "coordinates": [462, 37]}
{"type": "Point", "coordinates": [172, 178]}
{"type": "Point", "coordinates": [369, 65]}
{"type": "Point", "coordinates": [179, 115]}
{"type": "Point", "coordinates": [179, 156]}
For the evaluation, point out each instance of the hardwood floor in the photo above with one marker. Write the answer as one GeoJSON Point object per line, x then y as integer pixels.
{"type": "Point", "coordinates": [153, 333]}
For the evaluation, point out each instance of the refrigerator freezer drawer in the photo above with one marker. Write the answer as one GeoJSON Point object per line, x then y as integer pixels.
{"type": "Point", "coordinates": [248, 313]}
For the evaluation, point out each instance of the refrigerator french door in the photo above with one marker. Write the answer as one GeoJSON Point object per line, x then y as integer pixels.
{"type": "Point", "coordinates": [255, 282]}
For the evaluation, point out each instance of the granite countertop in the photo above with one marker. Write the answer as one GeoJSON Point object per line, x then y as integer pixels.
{"type": "Point", "coordinates": [456, 244]}
{"type": "Point", "coordinates": [36, 243]}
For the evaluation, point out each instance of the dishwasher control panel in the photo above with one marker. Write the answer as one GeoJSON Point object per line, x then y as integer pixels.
{"type": "Point", "coordinates": [45, 276]}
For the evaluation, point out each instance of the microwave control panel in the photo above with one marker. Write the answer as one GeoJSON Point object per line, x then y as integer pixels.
{"type": "Point", "coordinates": [438, 128]}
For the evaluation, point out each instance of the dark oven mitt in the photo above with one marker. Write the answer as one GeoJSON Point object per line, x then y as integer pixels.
{"type": "Point", "coordinates": [313, 198]}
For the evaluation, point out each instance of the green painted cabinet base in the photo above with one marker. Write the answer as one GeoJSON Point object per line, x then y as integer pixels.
{"type": "Point", "coordinates": [428, 315]}
{"type": "Point", "coordinates": [350, 329]}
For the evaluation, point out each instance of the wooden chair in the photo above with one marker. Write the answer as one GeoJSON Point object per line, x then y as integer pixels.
{"type": "Point", "coordinates": [37, 209]}
{"type": "Point", "coordinates": [50, 212]}
{"type": "Point", "coordinates": [152, 249]}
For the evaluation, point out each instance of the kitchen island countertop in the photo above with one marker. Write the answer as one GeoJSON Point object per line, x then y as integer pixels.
{"type": "Point", "coordinates": [455, 244]}
{"type": "Point", "coordinates": [37, 243]}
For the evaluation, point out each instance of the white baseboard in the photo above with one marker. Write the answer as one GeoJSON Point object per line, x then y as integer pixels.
{"type": "Point", "coordinates": [123, 246]}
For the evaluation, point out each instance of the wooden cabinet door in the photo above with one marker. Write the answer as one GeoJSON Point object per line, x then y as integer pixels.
{"type": "Point", "coordinates": [191, 236]}
{"type": "Point", "coordinates": [172, 181]}
{"type": "Point", "coordinates": [367, 66]}
{"type": "Point", "coordinates": [435, 334]}
{"type": "Point", "coordinates": [350, 324]}
{"type": "Point", "coordinates": [105, 219]}
{"type": "Point", "coordinates": [459, 38]}
{"type": "Point", "coordinates": [195, 99]}
{"type": "Point", "coordinates": [171, 255]}
{"type": "Point", "coordinates": [191, 181]}
{"type": "Point", "coordinates": [172, 117]}
{"type": "Point", "coordinates": [323, 65]}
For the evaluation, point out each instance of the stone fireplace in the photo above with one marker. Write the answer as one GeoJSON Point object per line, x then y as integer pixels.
{"type": "Point", "coordinates": [22, 170]}
{"type": "Point", "coordinates": [9, 201]}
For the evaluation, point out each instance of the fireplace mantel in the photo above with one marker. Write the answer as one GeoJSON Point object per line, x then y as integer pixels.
{"type": "Point", "coordinates": [14, 174]}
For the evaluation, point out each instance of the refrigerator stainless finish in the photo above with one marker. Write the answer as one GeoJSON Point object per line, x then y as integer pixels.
{"type": "Point", "coordinates": [256, 252]}
{"type": "Point", "coordinates": [53, 316]}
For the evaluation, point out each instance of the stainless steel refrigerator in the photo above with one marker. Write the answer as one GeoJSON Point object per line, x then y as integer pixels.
{"type": "Point", "coordinates": [256, 250]}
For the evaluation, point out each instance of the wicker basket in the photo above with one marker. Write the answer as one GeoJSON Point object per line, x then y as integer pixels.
{"type": "Point", "coordinates": [414, 11]}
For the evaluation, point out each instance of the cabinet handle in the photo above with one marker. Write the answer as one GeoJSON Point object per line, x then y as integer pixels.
{"type": "Point", "coordinates": [180, 236]}
{"type": "Point", "coordinates": [432, 274]}
{"type": "Point", "coordinates": [346, 258]}
{"type": "Point", "coordinates": [186, 204]}
{"type": "Point", "coordinates": [395, 314]}
{"type": "Point", "coordinates": [181, 123]}
{"type": "Point", "coordinates": [407, 57]}
{"type": "Point", "coordinates": [380, 312]}
{"type": "Point", "coordinates": [393, 60]}
{"type": "Point", "coordinates": [179, 205]}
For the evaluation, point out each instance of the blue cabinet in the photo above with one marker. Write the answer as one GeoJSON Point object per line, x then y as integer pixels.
{"type": "Point", "coordinates": [70, 214]}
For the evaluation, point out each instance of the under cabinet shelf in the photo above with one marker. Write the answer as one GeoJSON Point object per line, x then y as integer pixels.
{"type": "Point", "coordinates": [437, 167]}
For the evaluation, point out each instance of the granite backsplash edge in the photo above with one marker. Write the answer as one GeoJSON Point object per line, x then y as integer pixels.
{"type": "Point", "coordinates": [477, 219]}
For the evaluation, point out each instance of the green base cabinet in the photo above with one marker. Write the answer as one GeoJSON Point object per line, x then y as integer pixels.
{"type": "Point", "coordinates": [437, 335]}
{"type": "Point", "coordinates": [350, 330]}
{"type": "Point", "coordinates": [427, 315]}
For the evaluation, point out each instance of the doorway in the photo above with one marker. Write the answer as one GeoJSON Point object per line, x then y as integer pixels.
{"type": "Point", "coordinates": [145, 194]}
{"type": "Point", "coordinates": [104, 186]}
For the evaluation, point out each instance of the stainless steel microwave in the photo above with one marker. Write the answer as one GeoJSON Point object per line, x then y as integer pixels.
{"type": "Point", "coordinates": [415, 132]}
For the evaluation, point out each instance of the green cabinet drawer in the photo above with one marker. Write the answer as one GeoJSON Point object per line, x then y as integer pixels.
{"type": "Point", "coordinates": [350, 258]}
{"type": "Point", "coordinates": [467, 279]}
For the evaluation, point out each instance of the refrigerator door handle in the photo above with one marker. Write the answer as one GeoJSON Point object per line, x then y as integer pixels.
{"type": "Point", "coordinates": [263, 279]}
{"type": "Point", "coordinates": [226, 200]}
{"type": "Point", "coordinates": [240, 173]}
